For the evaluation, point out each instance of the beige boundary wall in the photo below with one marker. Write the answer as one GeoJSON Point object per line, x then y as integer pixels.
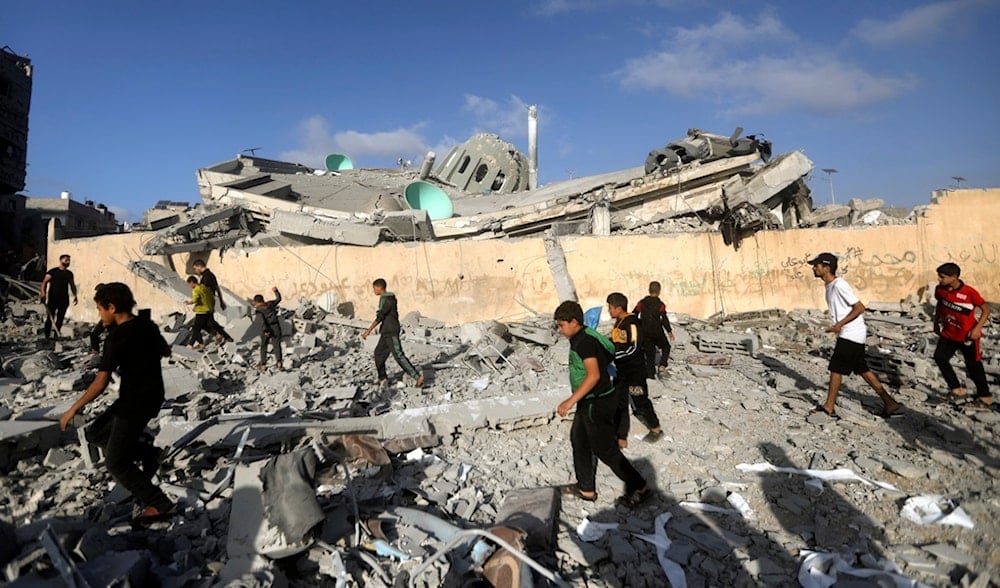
{"type": "Point", "coordinates": [460, 281]}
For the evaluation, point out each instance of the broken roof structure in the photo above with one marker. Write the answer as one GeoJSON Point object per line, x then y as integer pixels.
{"type": "Point", "coordinates": [480, 190]}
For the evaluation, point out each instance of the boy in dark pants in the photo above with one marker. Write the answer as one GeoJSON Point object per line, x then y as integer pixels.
{"type": "Point", "coordinates": [631, 368]}
{"type": "Point", "coordinates": [267, 313]}
{"type": "Point", "coordinates": [134, 348]}
{"type": "Point", "coordinates": [955, 322]}
{"type": "Point", "coordinates": [653, 321]}
{"type": "Point", "coordinates": [595, 423]}
{"type": "Point", "coordinates": [388, 342]}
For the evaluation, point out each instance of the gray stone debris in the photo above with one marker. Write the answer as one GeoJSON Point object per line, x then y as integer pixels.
{"type": "Point", "coordinates": [388, 480]}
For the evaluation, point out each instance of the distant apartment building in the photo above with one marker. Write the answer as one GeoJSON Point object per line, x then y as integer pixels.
{"type": "Point", "coordinates": [73, 219]}
{"type": "Point", "coordinates": [15, 101]}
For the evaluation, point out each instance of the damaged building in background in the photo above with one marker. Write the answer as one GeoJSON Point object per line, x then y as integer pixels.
{"type": "Point", "coordinates": [317, 474]}
{"type": "Point", "coordinates": [482, 189]}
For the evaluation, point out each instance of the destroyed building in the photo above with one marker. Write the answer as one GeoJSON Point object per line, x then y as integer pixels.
{"type": "Point", "coordinates": [316, 476]}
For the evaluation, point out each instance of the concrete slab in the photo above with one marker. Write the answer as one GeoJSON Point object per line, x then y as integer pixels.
{"type": "Point", "coordinates": [19, 439]}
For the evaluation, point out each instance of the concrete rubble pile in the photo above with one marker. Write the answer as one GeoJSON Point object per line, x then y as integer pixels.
{"type": "Point", "coordinates": [703, 182]}
{"type": "Point", "coordinates": [316, 475]}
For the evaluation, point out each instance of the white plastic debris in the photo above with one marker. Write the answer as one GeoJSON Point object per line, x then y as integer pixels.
{"type": "Point", "coordinates": [480, 384]}
{"type": "Point", "coordinates": [838, 475]}
{"type": "Point", "coordinates": [820, 570]}
{"type": "Point", "coordinates": [673, 570]}
{"type": "Point", "coordinates": [740, 504]}
{"type": "Point", "coordinates": [705, 507]}
{"type": "Point", "coordinates": [590, 531]}
{"type": "Point", "coordinates": [933, 508]}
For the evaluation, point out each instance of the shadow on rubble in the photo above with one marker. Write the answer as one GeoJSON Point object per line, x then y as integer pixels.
{"type": "Point", "coordinates": [924, 431]}
{"type": "Point", "coordinates": [823, 519]}
{"type": "Point", "coordinates": [801, 382]}
{"type": "Point", "coordinates": [708, 548]}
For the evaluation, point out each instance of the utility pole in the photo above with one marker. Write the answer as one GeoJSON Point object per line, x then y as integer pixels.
{"type": "Point", "coordinates": [829, 171]}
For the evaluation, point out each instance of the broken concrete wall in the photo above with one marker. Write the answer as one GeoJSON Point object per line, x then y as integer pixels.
{"type": "Point", "coordinates": [468, 280]}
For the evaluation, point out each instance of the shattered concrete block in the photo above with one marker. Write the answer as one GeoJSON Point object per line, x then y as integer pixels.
{"type": "Point", "coordinates": [534, 511]}
{"type": "Point", "coordinates": [35, 366]}
{"type": "Point", "coordinates": [57, 457]}
{"type": "Point", "coordinates": [239, 329]}
{"type": "Point", "coordinates": [721, 342]}
{"type": "Point", "coordinates": [19, 439]}
{"type": "Point", "coordinates": [178, 381]}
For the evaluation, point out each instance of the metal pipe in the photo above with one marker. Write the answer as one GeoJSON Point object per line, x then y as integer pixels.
{"type": "Point", "coordinates": [532, 147]}
{"type": "Point", "coordinates": [425, 167]}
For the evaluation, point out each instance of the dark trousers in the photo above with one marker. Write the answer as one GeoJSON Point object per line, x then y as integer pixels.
{"type": "Point", "coordinates": [266, 337]}
{"type": "Point", "coordinates": [631, 388]}
{"type": "Point", "coordinates": [946, 348]}
{"type": "Point", "coordinates": [650, 343]}
{"type": "Point", "coordinates": [57, 312]}
{"type": "Point", "coordinates": [121, 439]}
{"type": "Point", "coordinates": [389, 344]}
{"type": "Point", "coordinates": [594, 434]}
{"type": "Point", "coordinates": [205, 322]}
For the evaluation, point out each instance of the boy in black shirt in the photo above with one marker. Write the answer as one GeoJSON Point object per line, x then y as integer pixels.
{"type": "Point", "coordinates": [267, 313]}
{"type": "Point", "coordinates": [653, 321]}
{"type": "Point", "coordinates": [388, 342]}
{"type": "Point", "coordinates": [631, 367]}
{"type": "Point", "coordinates": [595, 424]}
{"type": "Point", "coordinates": [134, 348]}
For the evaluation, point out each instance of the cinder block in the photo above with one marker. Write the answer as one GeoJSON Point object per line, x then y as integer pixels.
{"type": "Point", "coordinates": [717, 342]}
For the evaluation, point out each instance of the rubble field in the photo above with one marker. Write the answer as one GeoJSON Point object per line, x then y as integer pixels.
{"type": "Point", "coordinates": [318, 476]}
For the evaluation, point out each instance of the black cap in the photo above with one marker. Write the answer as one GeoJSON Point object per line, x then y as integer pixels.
{"type": "Point", "coordinates": [826, 259]}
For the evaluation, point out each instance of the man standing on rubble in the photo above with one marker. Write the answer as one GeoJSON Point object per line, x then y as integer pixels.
{"type": "Point", "coordinates": [849, 352]}
{"type": "Point", "coordinates": [133, 347]}
{"type": "Point", "coordinates": [56, 286]}
{"type": "Point", "coordinates": [956, 325]}
{"type": "Point", "coordinates": [388, 342]}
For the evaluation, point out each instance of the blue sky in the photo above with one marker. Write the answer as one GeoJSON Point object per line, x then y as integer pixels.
{"type": "Point", "coordinates": [131, 98]}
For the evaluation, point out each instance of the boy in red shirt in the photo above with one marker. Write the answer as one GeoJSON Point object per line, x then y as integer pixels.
{"type": "Point", "coordinates": [955, 322]}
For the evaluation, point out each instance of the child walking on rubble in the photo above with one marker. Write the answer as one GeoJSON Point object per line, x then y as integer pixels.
{"type": "Point", "coordinates": [958, 329]}
{"type": "Point", "coordinates": [631, 367]}
{"type": "Point", "coordinates": [595, 423]}
{"type": "Point", "coordinates": [203, 304]}
{"type": "Point", "coordinates": [133, 348]}
{"type": "Point", "coordinates": [655, 327]}
{"type": "Point", "coordinates": [388, 342]}
{"type": "Point", "coordinates": [267, 313]}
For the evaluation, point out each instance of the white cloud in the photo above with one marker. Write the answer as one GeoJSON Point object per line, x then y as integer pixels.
{"type": "Point", "coordinates": [317, 141]}
{"type": "Point", "coordinates": [912, 24]}
{"type": "Point", "coordinates": [556, 7]}
{"type": "Point", "coordinates": [123, 214]}
{"type": "Point", "coordinates": [723, 60]}
{"type": "Point", "coordinates": [509, 120]}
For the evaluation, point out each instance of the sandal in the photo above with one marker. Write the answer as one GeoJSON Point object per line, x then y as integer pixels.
{"type": "Point", "coordinates": [979, 403]}
{"type": "Point", "coordinates": [885, 414]}
{"type": "Point", "coordinates": [957, 398]}
{"type": "Point", "coordinates": [574, 490]}
{"type": "Point", "coordinates": [635, 498]}
{"type": "Point", "coordinates": [819, 408]}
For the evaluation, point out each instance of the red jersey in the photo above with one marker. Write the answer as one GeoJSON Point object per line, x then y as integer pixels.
{"type": "Point", "coordinates": [956, 310]}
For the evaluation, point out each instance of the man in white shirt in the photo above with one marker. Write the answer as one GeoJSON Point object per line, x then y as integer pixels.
{"type": "Point", "coordinates": [849, 325]}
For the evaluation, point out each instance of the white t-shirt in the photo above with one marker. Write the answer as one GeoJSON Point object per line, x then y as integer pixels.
{"type": "Point", "coordinates": [840, 298]}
